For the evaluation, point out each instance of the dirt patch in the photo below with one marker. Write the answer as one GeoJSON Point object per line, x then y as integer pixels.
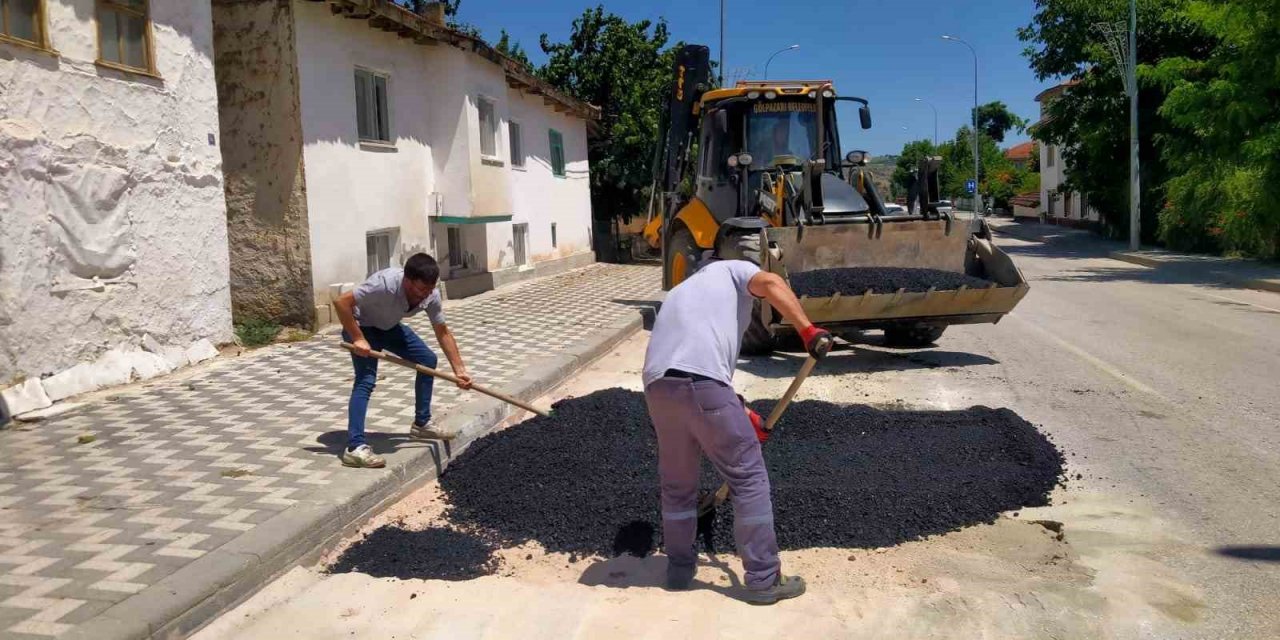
{"type": "Point", "coordinates": [843, 475]}
{"type": "Point", "coordinates": [856, 281]}
{"type": "Point", "coordinates": [432, 553]}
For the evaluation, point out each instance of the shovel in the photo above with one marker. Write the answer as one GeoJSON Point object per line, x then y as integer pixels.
{"type": "Point", "coordinates": [709, 502]}
{"type": "Point", "coordinates": [436, 373]}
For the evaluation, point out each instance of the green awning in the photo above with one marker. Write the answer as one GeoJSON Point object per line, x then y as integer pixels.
{"type": "Point", "coordinates": [471, 219]}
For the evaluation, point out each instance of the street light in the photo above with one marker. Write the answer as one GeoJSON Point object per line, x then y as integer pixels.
{"type": "Point", "coordinates": [935, 119]}
{"type": "Point", "coordinates": [766, 64]}
{"type": "Point", "coordinates": [977, 199]}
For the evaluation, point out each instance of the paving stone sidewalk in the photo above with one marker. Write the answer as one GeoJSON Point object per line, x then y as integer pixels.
{"type": "Point", "coordinates": [121, 535]}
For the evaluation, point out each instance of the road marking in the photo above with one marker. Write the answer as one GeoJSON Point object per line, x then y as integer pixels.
{"type": "Point", "coordinates": [1214, 295]}
{"type": "Point", "coordinates": [1102, 365]}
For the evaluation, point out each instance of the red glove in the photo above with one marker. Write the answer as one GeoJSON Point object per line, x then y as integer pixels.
{"type": "Point", "coordinates": [758, 423]}
{"type": "Point", "coordinates": [817, 341]}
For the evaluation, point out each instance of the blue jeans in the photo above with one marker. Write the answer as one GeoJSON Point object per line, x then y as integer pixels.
{"type": "Point", "coordinates": [402, 341]}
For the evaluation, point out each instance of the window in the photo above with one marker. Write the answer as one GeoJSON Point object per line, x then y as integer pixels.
{"type": "Point", "coordinates": [557, 152]}
{"type": "Point", "coordinates": [456, 259]}
{"type": "Point", "coordinates": [1053, 204]}
{"type": "Point", "coordinates": [488, 128]}
{"type": "Point", "coordinates": [1066, 205]}
{"type": "Point", "coordinates": [124, 34]}
{"type": "Point", "coordinates": [553, 235]}
{"type": "Point", "coordinates": [22, 20]}
{"type": "Point", "coordinates": [372, 116]}
{"type": "Point", "coordinates": [517, 145]}
{"type": "Point", "coordinates": [520, 240]}
{"type": "Point", "coordinates": [1050, 152]}
{"type": "Point", "coordinates": [377, 247]}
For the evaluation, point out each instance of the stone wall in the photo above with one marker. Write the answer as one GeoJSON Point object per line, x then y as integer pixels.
{"type": "Point", "coordinates": [112, 219]}
{"type": "Point", "coordinates": [262, 153]}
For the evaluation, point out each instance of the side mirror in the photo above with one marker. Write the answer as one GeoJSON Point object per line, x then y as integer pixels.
{"type": "Point", "coordinates": [857, 157]}
{"type": "Point", "coordinates": [864, 115]}
{"type": "Point", "coordinates": [722, 121]}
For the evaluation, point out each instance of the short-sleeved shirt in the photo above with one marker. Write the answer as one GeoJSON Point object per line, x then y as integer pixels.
{"type": "Point", "coordinates": [381, 301]}
{"type": "Point", "coordinates": [700, 325]}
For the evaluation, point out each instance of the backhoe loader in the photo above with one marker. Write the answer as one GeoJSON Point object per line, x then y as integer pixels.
{"type": "Point", "coordinates": [755, 171]}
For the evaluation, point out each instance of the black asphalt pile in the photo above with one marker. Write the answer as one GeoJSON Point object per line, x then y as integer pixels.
{"type": "Point", "coordinates": [430, 554]}
{"type": "Point", "coordinates": [585, 482]}
{"type": "Point", "coordinates": [855, 281]}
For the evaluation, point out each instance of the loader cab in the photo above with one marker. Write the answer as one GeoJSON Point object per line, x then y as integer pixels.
{"type": "Point", "coordinates": [757, 136]}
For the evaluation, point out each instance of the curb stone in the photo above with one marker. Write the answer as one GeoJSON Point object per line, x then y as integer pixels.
{"type": "Point", "coordinates": [1261, 284]}
{"type": "Point", "coordinates": [186, 600]}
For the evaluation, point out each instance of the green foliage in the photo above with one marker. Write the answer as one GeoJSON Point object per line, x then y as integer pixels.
{"type": "Point", "coordinates": [255, 332]}
{"type": "Point", "coordinates": [513, 49]}
{"type": "Point", "coordinates": [1226, 110]}
{"type": "Point", "coordinates": [995, 120]}
{"type": "Point", "coordinates": [908, 161]}
{"type": "Point", "coordinates": [624, 68]}
{"type": "Point", "coordinates": [1088, 122]}
{"type": "Point", "coordinates": [450, 6]}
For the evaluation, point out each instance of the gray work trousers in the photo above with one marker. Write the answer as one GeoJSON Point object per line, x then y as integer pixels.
{"type": "Point", "coordinates": [706, 417]}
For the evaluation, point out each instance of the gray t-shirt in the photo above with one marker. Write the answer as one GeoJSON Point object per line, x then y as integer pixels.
{"type": "Point", "coordinates": [381, 301]}
{"type": "Point", "coordinates": [699, 328]}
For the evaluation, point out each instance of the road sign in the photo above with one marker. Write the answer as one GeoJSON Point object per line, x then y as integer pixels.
{"type": "Point", "coordinates": [969, 187]}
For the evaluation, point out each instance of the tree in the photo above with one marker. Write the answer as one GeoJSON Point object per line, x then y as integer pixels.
{"type": "Point", "coordinates": [417, 6]}
{"type": "Point", "coordinates": [1226, 108]}
{"type": "Point", "coordinates": [995, 120]}
{"type": "Point", "coordinates": [624, 68]}
{"type": "Point", "coordinates": [908, 162]}
{"type": "Point", "coordinates": [513, 49]}
{"type": "Point", "coordinates": [1088, 121]}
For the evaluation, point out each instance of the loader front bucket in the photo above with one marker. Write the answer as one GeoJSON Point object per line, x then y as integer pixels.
{"type": "Point", "coordinates": [945, 245]}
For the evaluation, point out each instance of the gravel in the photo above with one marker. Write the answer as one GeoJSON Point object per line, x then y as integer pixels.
{"type": "Point", "coordinates": [432, 553]}
{"type": "Point", "coordinates": [584, 481]}
{"type": "Point", "coordinates": [856, 281]}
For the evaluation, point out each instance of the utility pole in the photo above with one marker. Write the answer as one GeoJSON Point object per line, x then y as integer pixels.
{"type": "Point", "coordinates": [977, 198]}
{"type": "Point", "coordinates": [935, 120]}
{"type": "Point", "coordinates": [1135, 193]}
{"type": "Point", "coordinates": [1123, 41]}
{"type": "Point", "coordinates": [721, 43]}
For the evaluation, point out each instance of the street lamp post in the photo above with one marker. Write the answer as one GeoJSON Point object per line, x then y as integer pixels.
{"type": "Point", "coordinates": [977, 199]}
{"type": "Point", "coordinates": [935, 119]}
{"type": "Point", "coordinates": [766, 64]}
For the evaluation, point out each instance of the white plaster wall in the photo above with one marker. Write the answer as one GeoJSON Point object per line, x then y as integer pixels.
{"type": "Point", "coordinates": [539, 197]}
{"type": "Point", "coordinates": [110, 175]}
{"type": "Point", "coordinates": [352, 188]}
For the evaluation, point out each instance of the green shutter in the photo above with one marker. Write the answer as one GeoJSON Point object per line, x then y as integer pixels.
{"type": "Point", "coordinates": [557, 153]}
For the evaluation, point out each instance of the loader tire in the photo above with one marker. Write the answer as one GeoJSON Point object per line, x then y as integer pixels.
{"type": "Point", "coordinates": [916, 335]}
{"type": "Point", "coordinates": [757, 341]}
{"type": "Point", "coordinates": [685, 256]}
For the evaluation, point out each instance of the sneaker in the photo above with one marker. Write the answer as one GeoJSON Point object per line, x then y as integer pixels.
{"type": "Point", "coordinates": [785, 587]}
{"type": "Point", "coordinates": [362, 457]}
{"type": "Point", "coordinates": [429, 431]}
{"type": "Point", "coordinates": [679, 577]}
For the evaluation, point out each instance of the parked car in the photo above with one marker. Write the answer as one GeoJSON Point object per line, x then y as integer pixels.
{"type": "Point", "coordinates": [894, 209]}
{"type": "Point", "coordinates": [945, 206]}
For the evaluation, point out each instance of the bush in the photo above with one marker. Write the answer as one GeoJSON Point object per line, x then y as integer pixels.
{"type": "Point", "coordinates": [255, 332]}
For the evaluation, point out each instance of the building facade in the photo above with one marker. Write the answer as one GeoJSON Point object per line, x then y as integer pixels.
{"type": "Point", "coordinates": [392, 134]}
{"type": "Point", "coordinates": [1057, 204]}
{"type": "Point", "coordinates": [113, 244]}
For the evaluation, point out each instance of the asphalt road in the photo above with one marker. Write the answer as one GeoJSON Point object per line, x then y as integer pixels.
{"type": "Point", "coordinates": [1160, 387]}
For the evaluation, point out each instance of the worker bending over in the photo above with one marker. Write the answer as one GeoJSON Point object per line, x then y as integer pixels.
{"type": "Point", "coordinates": [370, 318]}
{"type": "Point", "coordinates": [688, 375]}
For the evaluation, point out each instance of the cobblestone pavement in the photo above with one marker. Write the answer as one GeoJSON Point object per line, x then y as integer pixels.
{"type": "Point", "coordinates": [180, 467]}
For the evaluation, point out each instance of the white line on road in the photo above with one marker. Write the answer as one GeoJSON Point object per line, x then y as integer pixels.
{"type": "Point", "coordinates": [1214, 295]}
{"type": "Point", "coordinates": [1102, 365]}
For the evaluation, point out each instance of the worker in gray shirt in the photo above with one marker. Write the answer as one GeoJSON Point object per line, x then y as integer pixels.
{"type": "Point", "coordinates": [688, 386]}
{"type": "Point", "coordinates": [371, 320]}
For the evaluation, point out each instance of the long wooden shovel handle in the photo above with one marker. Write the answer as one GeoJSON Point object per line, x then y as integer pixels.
{"type": "Point", "coordinates": [722, 493]}
{"type": "Point", "coordinates": [451, 378]}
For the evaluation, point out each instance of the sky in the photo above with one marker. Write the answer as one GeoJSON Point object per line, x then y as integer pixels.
{"type": "Point", "coordinates": [887, 51]}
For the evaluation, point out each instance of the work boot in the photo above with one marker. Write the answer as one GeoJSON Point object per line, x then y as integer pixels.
{"type": "Point", "coordinates": [680, 577]}
{"type": "Point", "coordinates": [430, 431]}
{"type": "Point", "coordinates": [785, 587]}
{"type": "Point", "coordinates": [362, 457]}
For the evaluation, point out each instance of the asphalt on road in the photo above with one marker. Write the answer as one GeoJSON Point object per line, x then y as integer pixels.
{"type": "Point", "coordinates": [1158, 386]}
